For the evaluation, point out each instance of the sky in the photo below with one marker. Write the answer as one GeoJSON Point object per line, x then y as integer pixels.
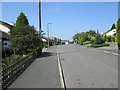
{"type": "Point", "coordinates": [67, 18]}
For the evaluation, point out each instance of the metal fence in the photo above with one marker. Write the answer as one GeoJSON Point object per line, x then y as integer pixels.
{"type": "Point", "coordinates": [9, 74]}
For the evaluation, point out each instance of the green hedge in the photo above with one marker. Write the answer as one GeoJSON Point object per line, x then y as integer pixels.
{"type": "Point", "coordinates": [99, 45]}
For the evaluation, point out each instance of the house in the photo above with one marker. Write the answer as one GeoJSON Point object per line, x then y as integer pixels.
{"type": "Point", "coordinates": [110, 32]}
{"type": "Point", "coordinates": [65, 41]}
{"type": "Point", "coordinates": [4, 31]}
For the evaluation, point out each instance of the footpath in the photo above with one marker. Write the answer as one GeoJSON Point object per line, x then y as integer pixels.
{"type": "Point", "coordinates": [42, 73]}
{"type": "Point", "coordinates": [113, 48]}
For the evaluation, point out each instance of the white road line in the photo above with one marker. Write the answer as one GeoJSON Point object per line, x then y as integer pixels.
{"type": "Point", "coordinates": [106, 52]}
{"type": "Point", "coordinates": [60, 72]}
{"type": "Point", "coordinates": [115, 54]}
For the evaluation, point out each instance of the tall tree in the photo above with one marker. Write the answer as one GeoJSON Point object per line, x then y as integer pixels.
{"type": "Point", "coordinates": [23, 39]}
{"type": "Point", "coordinates": [113, 27]}
{"type": "Point", "coordinates": [22, 20]}
{"type": "Point", "coordinates": [118, 33]}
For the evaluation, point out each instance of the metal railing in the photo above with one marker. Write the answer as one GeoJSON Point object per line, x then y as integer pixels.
{"type": "Point", "coordinates": [9, 74]}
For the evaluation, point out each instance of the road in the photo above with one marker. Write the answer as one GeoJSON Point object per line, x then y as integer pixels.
{"type": "Point", "coordinates": [80, 66]}
{"type": "Point", "coordinates": [88, 67]}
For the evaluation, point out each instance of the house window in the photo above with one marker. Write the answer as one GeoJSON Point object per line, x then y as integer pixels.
{"type": "Point", "coordinates": [5, 43]}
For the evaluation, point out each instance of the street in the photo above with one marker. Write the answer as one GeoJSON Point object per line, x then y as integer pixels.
{"type": "Point", "coordinates": [82, 68]}
{"type": "Point", "coordinates": [88, 67]}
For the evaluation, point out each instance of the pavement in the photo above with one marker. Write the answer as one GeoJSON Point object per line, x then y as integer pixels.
{"type": "Point", "coordinates": [88, 68]}
{"type": "Point", "coordinates": [113, 48]}
{"type": "Point", "coordinates": [42, 73]}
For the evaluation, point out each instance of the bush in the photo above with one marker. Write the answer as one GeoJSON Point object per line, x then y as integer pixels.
{"type": "Point", "coordinates": [118, 33]}
{"type": "Point", "coordinates": [8, 61]}
{"type": "Point", "coordinates": [72, 42]}
{"type": "Point", "coordinates": [103, 40]}
{"type": "Point", "coordinates": [92, 39]}
{"type": "Point", "coordinates": [98, 39]}
{"type": "Point", "coordinates": [108, 38]}
{"type": "Point", "coordinates": [45, 44]}
{"type": "Point", "coordinates": [113, 39]}
{"type": "Point", "coordinates": [99, 45]}
{"type": "Point", "coordinates": [118, 39]}
{"type": "Point", "coordinates": [35, 50]}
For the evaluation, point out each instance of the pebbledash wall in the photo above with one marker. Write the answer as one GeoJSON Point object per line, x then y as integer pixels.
{"type": "Point", "coordinates": [111, 33]}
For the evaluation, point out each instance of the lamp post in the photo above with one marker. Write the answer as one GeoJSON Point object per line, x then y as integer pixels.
{"type": "Point", "coordinates": [39, 23]}
{"type": "Point", "coordinates": [48, 33]}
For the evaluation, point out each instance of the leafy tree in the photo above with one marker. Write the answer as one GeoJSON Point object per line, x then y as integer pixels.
{"type": "Point", "coordinates": [91, 32]}
{"type": "Point", "coordinates": [22, 20]}
{"type": "Point", "coordinates": [98, 39]}
{"type": "Point", "coordinates": [113, 27]}
{"type": "Point", "coordinates": [23, 39]}
{"type": "Point", "coordinates": [118, 33]}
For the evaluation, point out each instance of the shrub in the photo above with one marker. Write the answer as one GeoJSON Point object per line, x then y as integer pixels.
{"type": "Point", "coordinates": [118, 39]}
{"type": "Point", "coordinates": [108, 38]}
{"type": "Point", "coordinates": [118, 33]}
{"type": "Point", "coordinates": [103, 40]}
{"type": "Point", "coordinates": [92, 39]}
{"type": "Point", "coordinates": [99, 45]}
{"type": "Point", "coordinates": [98, 39]}
{"type": "Point", "coordinates": [113, 39]}
{"type": "Point", "coordinates": [8, 61]}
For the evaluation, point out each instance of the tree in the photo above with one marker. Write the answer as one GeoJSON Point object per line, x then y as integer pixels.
{"type": "Point", "coordinates": [91, 32]}
{"type": "Point", "coordinates": [98, 39]}
{"type": "Point", "coordinates": [22, 20]}
{"type": "Point", "coordinates": [118, 33]}
{"type": "Point", "coordinates": [113, 27]}
{"type": "Point", "coordinates": [23, 39]}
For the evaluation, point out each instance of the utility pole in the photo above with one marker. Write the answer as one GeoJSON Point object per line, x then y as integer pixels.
{"type": "Point", "coordinates": [39, 21]}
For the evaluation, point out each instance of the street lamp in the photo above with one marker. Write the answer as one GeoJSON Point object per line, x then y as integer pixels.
{"type": "Point", "coordinates": [48, 33]}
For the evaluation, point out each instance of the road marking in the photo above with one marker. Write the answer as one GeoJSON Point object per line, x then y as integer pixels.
{"type": "Point", "coordinates": [60, 72]}
{"type": "Point", "coordinates": [115, 54]}
{"type": "Point", "coordinates": [106, 52]}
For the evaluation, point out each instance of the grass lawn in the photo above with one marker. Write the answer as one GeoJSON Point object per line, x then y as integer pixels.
{"type": "Point", "coordinates": [110, 42]}
{"type": "Point", "coordinates": [88, 44]}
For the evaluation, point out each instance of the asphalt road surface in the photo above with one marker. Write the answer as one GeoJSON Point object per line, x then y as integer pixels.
{"type": "Point", "coordinates": [88, 67]}
{"type": "Point", "coordinates": [82, 68]}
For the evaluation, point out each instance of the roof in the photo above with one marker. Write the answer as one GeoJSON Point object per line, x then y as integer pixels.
{"type": "Point", "coordinates": [6, 24]}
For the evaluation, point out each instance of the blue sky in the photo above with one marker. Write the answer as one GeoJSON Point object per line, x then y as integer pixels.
{"type": "Point", "coordinates": [68, 18]}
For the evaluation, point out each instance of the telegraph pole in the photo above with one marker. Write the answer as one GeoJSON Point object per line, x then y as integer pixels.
{"type": "Point", "coordinates": [39, 21]}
